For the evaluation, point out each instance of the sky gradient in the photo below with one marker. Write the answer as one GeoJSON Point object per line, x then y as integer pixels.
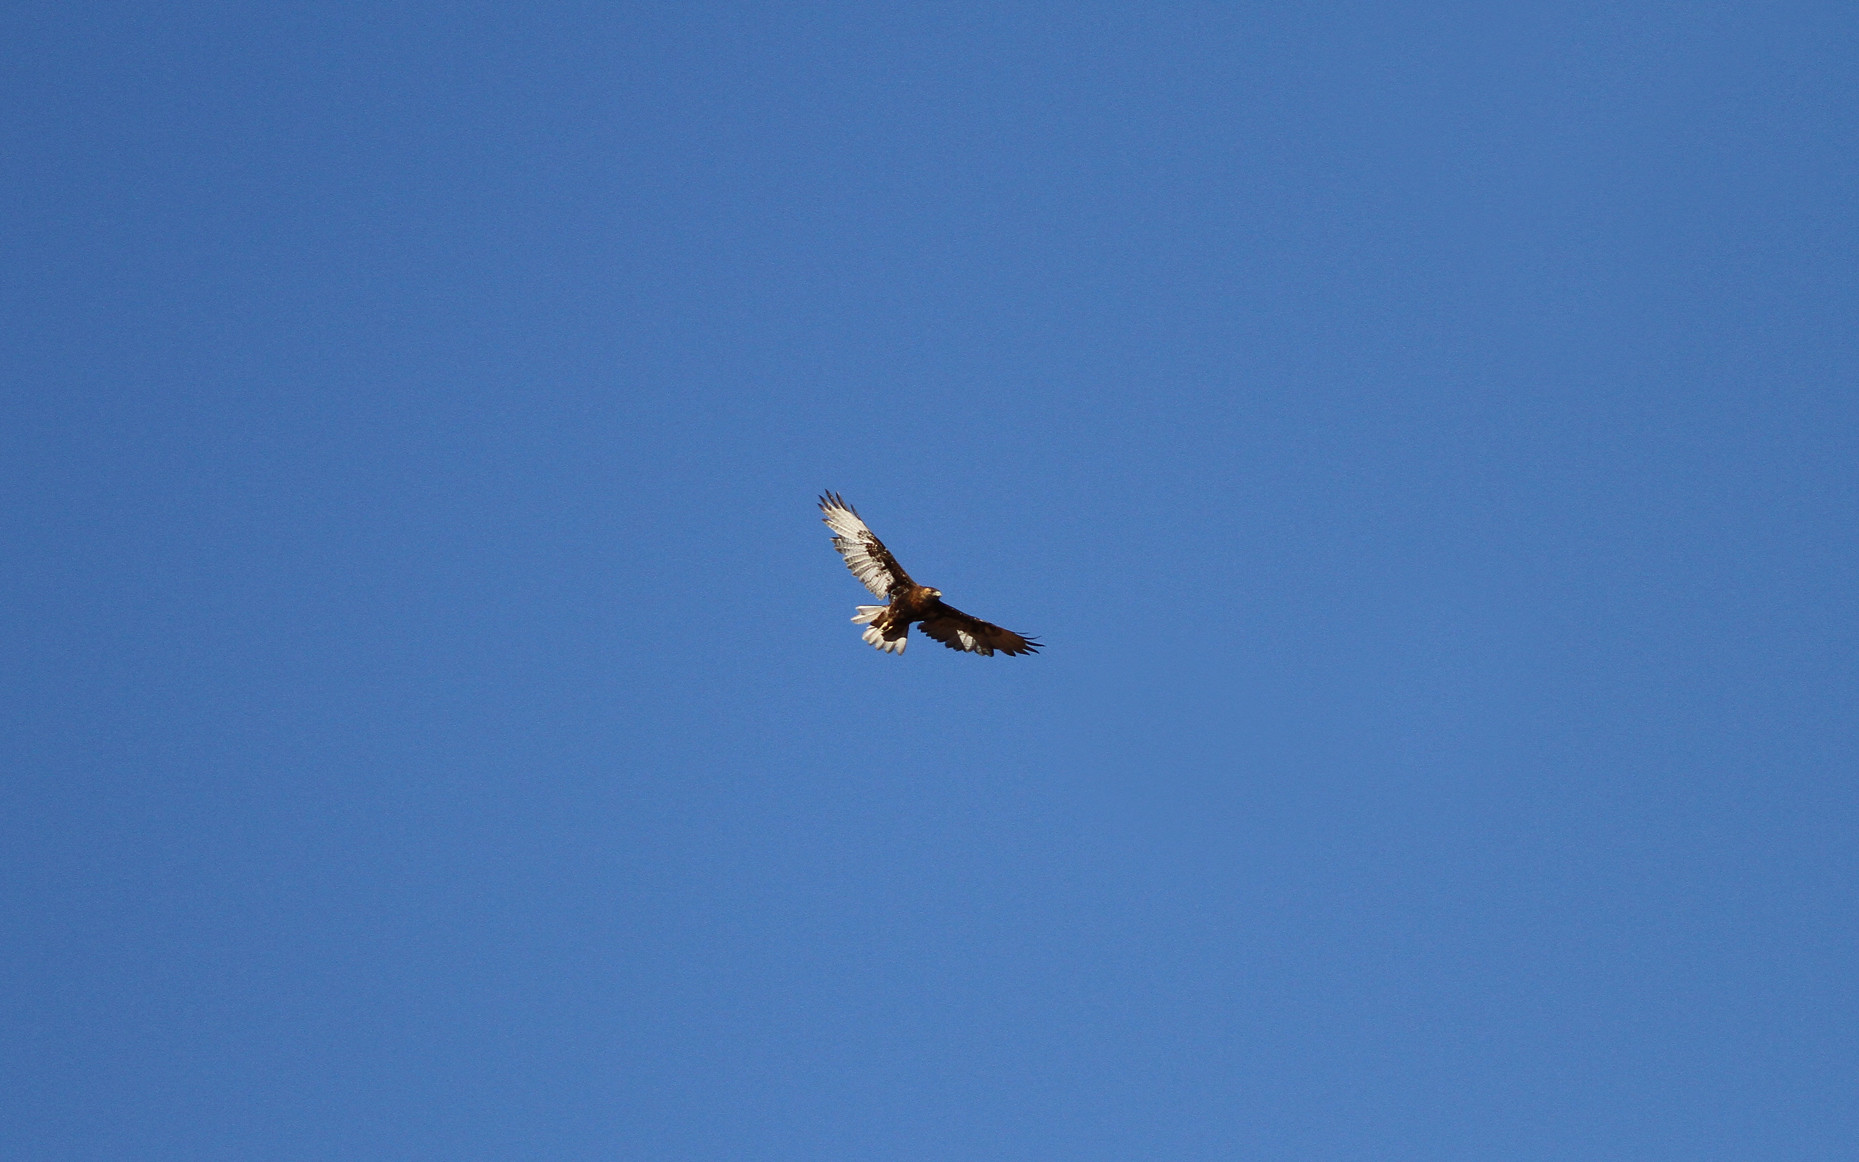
{"type": "Point", "coordinates": [1423, 436]}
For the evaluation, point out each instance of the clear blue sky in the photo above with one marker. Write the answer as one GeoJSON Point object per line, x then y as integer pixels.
{"type": "Point", "coordinates": [1426, 437]}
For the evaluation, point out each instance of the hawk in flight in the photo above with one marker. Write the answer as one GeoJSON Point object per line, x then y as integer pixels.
{"type": "Point", "coordinates": [888, 626]}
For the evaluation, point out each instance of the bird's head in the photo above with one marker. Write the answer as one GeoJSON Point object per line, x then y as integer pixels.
{"type": "Point", "coordinates": [935, 593]}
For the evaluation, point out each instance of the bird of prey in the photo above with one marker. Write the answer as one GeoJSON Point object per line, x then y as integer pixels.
{"type": "Point", "coordinates": [888, 626]}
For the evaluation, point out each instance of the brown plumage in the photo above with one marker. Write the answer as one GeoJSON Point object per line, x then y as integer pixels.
{"type": "Point", "coordinates": [888, 626]}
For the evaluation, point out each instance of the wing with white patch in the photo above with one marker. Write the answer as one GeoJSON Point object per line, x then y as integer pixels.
{"type": "Point", "coordinates": [865, 554]}
{"type": "Point", "coordinates": [959, 631]}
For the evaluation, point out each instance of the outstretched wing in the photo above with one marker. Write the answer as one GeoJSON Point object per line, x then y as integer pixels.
{"type": "Point", "coordinates": [865, 554]}
{"type": "Point", "coordinates": [959, 631]}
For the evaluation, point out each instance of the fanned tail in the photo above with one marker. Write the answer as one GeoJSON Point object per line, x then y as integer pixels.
{"type": "Point", "coordinates": [878, 630]}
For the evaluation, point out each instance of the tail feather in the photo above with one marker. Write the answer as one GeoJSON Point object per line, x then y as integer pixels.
{"type": "Point", "coordinates": [878, 629]}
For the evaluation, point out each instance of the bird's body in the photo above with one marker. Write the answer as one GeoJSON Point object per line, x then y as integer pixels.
{"type": "Point", "coordinates": [888, 626]}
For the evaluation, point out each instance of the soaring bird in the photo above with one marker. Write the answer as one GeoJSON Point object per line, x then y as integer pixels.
{"type": "Point", "coordinates": [888, 626]}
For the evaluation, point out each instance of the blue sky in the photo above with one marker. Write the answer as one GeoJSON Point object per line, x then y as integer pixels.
{"type": "Point", "coordinates": [1423, 435]}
